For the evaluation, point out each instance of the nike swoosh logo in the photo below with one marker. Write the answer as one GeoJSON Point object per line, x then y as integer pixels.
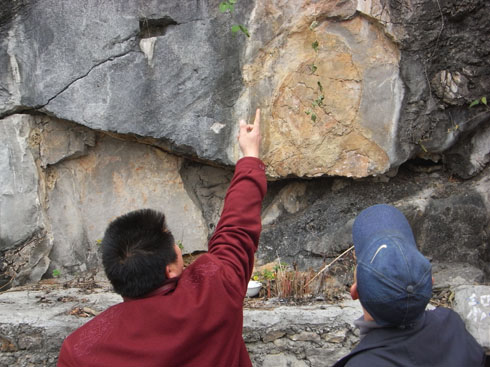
{"type": "Point", "coordinates": [377, 251]}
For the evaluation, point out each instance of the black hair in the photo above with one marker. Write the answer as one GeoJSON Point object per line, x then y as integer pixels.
{"type": "Point", "coordinates": [136, 249]}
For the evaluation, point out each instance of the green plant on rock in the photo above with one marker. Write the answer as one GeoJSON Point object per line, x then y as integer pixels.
{"type": "Point", "coordinates": [315, 45]}
{"type": "Point", "coordinates": [317, 103]}
{"type": "Point", "coordinates": [229, 5]}
{"type": "Point", "coordinates": [481, 100]}
{"type": "Point", "coordinates": [320, 97]}
{"type": "Point", "coordinates": [311, 114]}
{"type": "Point", "coordinates": [56, 273]}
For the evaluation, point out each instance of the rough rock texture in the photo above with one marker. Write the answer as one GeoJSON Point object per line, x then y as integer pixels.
{"type": "Point", "coordinates": [471, 154]}
{"type": "Point", "coordinates": [331, 88]}
{"type": "Point", "coordinates": [19, 205]}
{"type": "Point", "coordinates": [23, 240]}
{"type": "Point", "coordinates": [473, 304]}
{"type": "Point", "coordinates": [305, 336]}
{"type": "Point", "coordinates": [87, 179]}
{"type": "Point", "coordinates": [161, 69]}
{"type": "Point", "coordinates": [310, 222]}
{"type": "Point", "coordinates": [122, 176]}
{"type": "Point", "coordinates": [454, 274]}
{"type": "Point", "coordinates": [347, 89]}
{"type": "Point", "coordinates": [33, 323]}
{"type": "Point", "coordinates": [107, 107]}
{"type": "Point", "coordinates": [94, 95]}
{"type": "Point", "coordinates": [444, 67]}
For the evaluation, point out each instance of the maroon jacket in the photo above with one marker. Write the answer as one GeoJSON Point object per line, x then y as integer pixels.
{"type": "Point", "coordinates": [196, 320]}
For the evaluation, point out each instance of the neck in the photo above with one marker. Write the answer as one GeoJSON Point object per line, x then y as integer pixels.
{"type": "Point", "coordinates": [367, 316]}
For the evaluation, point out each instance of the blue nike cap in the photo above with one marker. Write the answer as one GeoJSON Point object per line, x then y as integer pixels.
{"type": "Point", "coordinates": [394, 280]}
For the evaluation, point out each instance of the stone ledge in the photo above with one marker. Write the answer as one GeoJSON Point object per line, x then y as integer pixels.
{"type": "Point", "coordinates": [33, 324]}
{"type": "Point", "coordinates": [300, 336]}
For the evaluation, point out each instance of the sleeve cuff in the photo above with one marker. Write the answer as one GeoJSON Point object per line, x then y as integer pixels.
{"type": "Point", "coordinates": [250, 162]}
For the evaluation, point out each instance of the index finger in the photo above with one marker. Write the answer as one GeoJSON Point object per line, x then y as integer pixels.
{"type": "Point", "coordinates": [257, 118]}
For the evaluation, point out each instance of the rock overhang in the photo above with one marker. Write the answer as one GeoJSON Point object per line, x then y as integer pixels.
{"type": "Point", "coordinates": [330, 109]}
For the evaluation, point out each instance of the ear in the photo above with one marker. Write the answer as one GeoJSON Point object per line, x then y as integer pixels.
{"type": "Point", "coordinates": [353, 291]}
{"type": "Point", "coordinates": [171, 271]}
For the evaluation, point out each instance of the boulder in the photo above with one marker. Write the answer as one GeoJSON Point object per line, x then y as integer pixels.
{"type": "Point", "coordinates": [331, 89]}
{"type": "Point", "coordinates": [158, 69]}
{"type": "Point", "coordinates": [473, 304]}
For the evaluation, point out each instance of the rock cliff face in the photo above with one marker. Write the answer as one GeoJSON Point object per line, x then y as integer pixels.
{"type": "Point", "coordinates": [107, 107]}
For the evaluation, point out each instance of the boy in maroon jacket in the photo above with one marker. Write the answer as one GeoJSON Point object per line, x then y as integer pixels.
{"type": "Point", "coordinates": [171, 316]}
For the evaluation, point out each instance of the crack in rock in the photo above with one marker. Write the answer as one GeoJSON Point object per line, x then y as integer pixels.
{"type": "Point", "coordinates": [110, 59]}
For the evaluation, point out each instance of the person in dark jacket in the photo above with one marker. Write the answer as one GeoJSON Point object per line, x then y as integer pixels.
{"type": "Point", "coordinates": [173, 316]}
{"type": "Point", "coordinates": [393, 282]}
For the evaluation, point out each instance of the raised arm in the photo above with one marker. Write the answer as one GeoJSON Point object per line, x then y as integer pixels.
{"type": "Point", "coordinates": [236, 237]}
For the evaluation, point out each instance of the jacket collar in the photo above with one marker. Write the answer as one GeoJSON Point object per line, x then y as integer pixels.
{"type": "Point", "coordinates": [168, 286]}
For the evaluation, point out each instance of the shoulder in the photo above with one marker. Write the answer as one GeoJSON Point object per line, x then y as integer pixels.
{"type": "Point", "coordinates": [206, 265]}
{"type": "Point", "coordinates": [98, 327]}
{"type": "Point", "coordinates": [80, 344]}
{"type": "Point", "coordinates": [443, 315]}
{"type": "Point", "coordinates": [368, 358]}
{"type": "Point", "coordinates": [205, 270]}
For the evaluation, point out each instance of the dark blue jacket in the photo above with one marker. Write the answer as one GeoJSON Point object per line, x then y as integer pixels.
{"type": "Point", "coordinates": [440, 339]}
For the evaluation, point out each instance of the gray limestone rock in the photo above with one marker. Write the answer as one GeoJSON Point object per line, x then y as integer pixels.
{"type": "Point", "coordinates": [471, 154]}
{"type": "Point", "coordinates": [158, 69]}
{"type": "Point", "coordinates": [206, 186]}
{"type": "Point", "coordinates": [321, 227]}
{"type": "Point", "coordinates": [473, 304]}
{"type": "Point", "coordinates": [442, 68]}
{"type": "Point", "coordinates": [20, 205]}
{"type": "Point", "coordinates": [24, 243]}
{"type": "Point", "coordinates": [452, 275]}
{"type": "Point", "coordinates": [377, 104]}
{"type": "Point", "coordinates": [282, 359]}
{"type": "Point", "coordinates": [33, 324]}
{"type": "Point", "coordinates": [174, 72]}
{"type": "Point", "coordinates": [454, 228]}
{"type": "Point", "coordinates": [116, 177]}
{"type": "Point", "coordinates": [62, 140]}
{"type": "Point", "coordinates": [450, 220]}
